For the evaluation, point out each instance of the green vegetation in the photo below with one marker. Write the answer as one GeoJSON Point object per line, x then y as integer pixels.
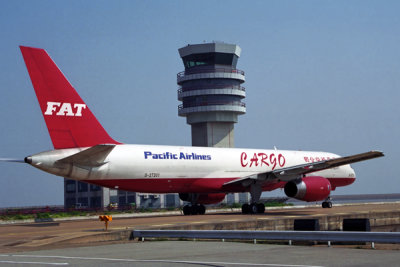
{"type": "Point", "coordinates": [146, 210]}
{"type": "Point", "coordinates": [16, 217]}
{"type": "Point", "coordinates": [41, 215]}
{"type": "Point", "coordinates": [267, 204]}
{"type": "Point", "coordinates": [235, 206]}
{"type": "Point", "coordinates": [44, 215]}
{"type": "Point", "coordinates": [13, 215]}
{"type": "Point", "coordinates": [73, 213]}
{"type": "Point", "coordinates": [277, 204]}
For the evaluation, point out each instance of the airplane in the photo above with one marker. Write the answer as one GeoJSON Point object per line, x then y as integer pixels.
{"type": "Point", "coordinates": [84, 151]}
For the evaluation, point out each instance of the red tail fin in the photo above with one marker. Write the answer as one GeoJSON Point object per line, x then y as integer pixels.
{"type": "Point", "coordinates": [69, 120]}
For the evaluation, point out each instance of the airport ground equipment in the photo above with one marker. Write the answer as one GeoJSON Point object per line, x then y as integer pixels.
{"type": "Point", "coordinates": [105, 219]}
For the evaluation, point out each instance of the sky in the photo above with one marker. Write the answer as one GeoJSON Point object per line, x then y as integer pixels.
{"type": "Point", "coordinates": [320, 76]}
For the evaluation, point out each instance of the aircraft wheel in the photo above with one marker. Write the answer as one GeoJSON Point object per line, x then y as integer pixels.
{"type": "Point", "coordinates": [245, 208]}
{"type": "Point", "coordinates": [187, 210]}
{"type": "Point", "coordinates": [260, 208]}
{"type": "Point", "coordinates": [326, 204]}
{"type": "Point", "coordinates": [201, 209]}
{"type": "Point", "coordinates": [254, 208]}
{"type": "Point", "coordinates": [195, 209]}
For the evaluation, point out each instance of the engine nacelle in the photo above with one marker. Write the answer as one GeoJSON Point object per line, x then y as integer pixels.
{"type": "Point", "coordinates": [204, 199]}
{"type": "Point", "coordinates": [312, 188]}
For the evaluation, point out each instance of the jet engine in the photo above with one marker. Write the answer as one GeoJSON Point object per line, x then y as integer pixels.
{"type": "Point", "coordinates": [205, 199]}
{"type": "Point", "coordinates": [311, 188]}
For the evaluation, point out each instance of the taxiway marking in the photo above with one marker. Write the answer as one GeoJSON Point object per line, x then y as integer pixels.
{"type": "Point", "coordinates": [161, 261]}
{"type": "Point", "coordinates": [35, 262]}
{"type": "Point", "coordinates": [159, 225]}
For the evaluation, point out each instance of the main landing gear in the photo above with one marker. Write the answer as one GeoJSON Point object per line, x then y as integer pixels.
{"type": "Point", "coordinates": [194, 209]}
{"type": "Point", "coordinates": [255, 207]}
{"type": "Point", "coordinates": [327, 203]}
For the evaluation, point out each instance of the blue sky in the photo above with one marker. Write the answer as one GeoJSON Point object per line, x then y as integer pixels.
{"type": "Point", "coordinates": [320, 75]}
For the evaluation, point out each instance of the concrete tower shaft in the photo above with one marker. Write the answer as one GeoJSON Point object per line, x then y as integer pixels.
{"type": "Point", "coordinates": [211, 92]}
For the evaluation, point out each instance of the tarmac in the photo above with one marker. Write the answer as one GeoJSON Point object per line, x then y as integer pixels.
{"type": "Point", "coordinates": [190, 253]}
{"type": "Point", "coordinates": [23, 237]}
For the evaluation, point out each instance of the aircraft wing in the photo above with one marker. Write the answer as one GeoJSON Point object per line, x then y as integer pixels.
{"type": "Point", "coordinates": [293, 172]}
{"type": "Point", "coordinates": [92, 157]}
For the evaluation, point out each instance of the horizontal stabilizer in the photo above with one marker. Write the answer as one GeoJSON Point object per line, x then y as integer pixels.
{"type": "Point", "coordinates": [94, 156]}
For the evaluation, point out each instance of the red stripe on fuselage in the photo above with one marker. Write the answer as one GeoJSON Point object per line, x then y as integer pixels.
{"type": "Point", "coordinates": [173, 185]}
{"type": "Point", "coordinates": [193, 185]}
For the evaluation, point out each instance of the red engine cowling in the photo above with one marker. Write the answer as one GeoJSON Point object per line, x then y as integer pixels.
{"type": "Point", "coordinates": [205, 199]}
{"type": "Point", "coordinates": [312, 188]}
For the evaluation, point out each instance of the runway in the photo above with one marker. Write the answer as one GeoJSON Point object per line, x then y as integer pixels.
{"type": "Point", "coordinates": [190, 253]}
{"type": "Point", "coordinates": [38, 236]}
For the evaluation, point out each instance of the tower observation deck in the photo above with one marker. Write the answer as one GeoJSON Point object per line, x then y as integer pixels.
{"type": "Point", "coordinates": [211, 92]}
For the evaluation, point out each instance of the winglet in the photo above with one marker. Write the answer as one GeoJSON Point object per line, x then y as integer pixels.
{"type": "Point", "coordinates": [92, 157]}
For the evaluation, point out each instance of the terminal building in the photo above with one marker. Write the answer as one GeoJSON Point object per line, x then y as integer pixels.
{"type": "Point", "coordinates": [211, 92]}
{"type": "Point", "coordinates": [83, 195]}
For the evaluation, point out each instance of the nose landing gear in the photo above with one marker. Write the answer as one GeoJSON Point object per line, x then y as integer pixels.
{"type": "Point", "coordinates": [327, 203]}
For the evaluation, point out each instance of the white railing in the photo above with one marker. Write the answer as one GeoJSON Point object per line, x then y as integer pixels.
{"type": "Point", "coordinates": [329, 236]}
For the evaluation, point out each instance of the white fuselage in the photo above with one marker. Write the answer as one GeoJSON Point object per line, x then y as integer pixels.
{"type": "Point", "coordinates": [174, 169]}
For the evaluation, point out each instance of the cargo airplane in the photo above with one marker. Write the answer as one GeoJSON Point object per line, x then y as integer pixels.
{"type": "Point", "coordinates": [84, 151]}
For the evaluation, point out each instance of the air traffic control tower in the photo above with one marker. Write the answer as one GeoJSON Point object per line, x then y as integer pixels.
{"type": "Point", "coordinates": [211, 92]}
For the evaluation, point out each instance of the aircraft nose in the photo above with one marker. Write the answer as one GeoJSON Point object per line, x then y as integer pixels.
{"type": "Point", "coordinates": [28, 160]}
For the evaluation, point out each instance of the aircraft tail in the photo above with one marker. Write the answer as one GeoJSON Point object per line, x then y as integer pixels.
{"type": "Point", "coordinates": [69, 121]}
